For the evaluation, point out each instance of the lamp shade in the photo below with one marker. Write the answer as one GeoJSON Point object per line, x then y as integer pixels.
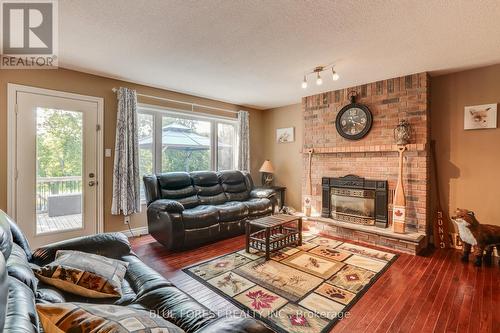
{"type": "Point", "coordinates": [267, 167]}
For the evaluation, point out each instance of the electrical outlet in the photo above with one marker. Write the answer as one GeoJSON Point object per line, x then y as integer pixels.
{"type": "Point", "coordinates": [126, 220]}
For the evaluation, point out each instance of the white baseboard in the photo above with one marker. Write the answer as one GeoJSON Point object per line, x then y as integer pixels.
{"type": "Point", "coordinates": [135, 232]}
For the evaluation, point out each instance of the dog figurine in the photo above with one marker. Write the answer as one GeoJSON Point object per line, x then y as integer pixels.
{"type": "Point", "coordinates": [483, 237]}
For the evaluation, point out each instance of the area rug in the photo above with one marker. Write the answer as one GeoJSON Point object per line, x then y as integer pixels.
{"type": "Point", "coordinates": [300, 290]}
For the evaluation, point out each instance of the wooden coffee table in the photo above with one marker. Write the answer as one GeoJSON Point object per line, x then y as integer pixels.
{"type": "Point", "coordinates": [275, 233]}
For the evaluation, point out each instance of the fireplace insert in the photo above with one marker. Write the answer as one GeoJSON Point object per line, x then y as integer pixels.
{"type": "Point", "coordinates": [355, 200]}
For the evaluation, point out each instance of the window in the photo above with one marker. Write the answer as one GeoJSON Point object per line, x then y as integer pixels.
{"type": "Point", "coordinates": [226, 134]}
{"type": "Point", "coordinates": [186, 144]}
{"type": "Point", "coordinates": [180, 141]}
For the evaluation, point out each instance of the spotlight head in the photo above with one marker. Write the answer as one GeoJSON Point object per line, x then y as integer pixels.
{"type": "Point", "coordinates": [335, 75]}
{"type": "Point", "coordinates": [319, 80]}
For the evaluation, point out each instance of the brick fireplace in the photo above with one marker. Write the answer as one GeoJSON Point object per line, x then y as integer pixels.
{"type": "Point", "coordinates": [373, 157]}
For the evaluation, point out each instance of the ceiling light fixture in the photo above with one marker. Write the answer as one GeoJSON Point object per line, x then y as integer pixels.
{"type": "Point", "coordinates": [304, 83]}
{"type": "Point", "coordinates": [319, 80]}
{"type": "Point", "coordinates": [335, 75]}
{"type": "Point", "coordinates": [317, 71]}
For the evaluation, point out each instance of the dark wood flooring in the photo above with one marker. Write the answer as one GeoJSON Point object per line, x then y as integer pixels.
{"type": "Point", "coordinates": [430, 293]}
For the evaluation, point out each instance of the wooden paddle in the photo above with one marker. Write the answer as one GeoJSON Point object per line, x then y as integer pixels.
{"type": "Point", "coordinates": [307, 198]}
{"type": "Point", "coordinates": [441, 223]}
{"type": "Point", "coordinates": [399, 203]}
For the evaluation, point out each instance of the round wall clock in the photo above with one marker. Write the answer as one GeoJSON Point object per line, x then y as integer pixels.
{"type": "Point", "coordinates": [354, 120]}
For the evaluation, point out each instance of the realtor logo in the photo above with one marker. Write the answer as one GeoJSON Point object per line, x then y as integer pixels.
{"type": "Point", "coordinates": [29, 34]}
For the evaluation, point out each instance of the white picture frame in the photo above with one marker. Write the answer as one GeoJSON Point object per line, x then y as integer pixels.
{"type": "Point", "coordinates": [480, 116]}
{"type": "Point", "coordinates": [285, 135]}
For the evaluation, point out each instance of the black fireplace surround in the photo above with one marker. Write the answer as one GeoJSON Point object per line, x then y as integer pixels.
{"type": "Point", "coordinates": [365, 200]}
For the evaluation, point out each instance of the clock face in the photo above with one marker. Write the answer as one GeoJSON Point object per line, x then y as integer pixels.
{"type": "Point", "coordinates": [354, 121]}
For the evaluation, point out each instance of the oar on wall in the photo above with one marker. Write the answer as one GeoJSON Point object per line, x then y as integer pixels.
{"type": "Point", "coordinates": [307, 197]}
{"type": "Point", "coordinates": [399, 203]}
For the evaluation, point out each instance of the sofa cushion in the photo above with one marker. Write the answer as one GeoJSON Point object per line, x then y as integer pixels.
{"type": "Point", "coordinates": [232, 211]}
{"type": "Point", "coordinates": [257, 207]}
{"type": "Point", "coordinates": [178, 186]}
{"type": "Point", "coordinates": [100, 318]}
{"type": "Point", "coordinates": [234, 185]}
{"type": "Point", "coordinates": [209, 189]}
{"type": "Point", "coordinates": [200, 217]}
{"type": "Point", "coordinates": [84, 274]}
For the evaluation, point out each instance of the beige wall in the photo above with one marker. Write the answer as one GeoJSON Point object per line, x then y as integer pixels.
{"type": "Point", "coordinates": [468, 161]}
{"type": "Point", "coordinates": [286, 157]}
{"type": "Point", "coordinates": [86, 84]}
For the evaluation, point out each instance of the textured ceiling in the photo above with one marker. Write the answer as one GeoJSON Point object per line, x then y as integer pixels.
{"type": "Point", "coordinates": [254, 53]}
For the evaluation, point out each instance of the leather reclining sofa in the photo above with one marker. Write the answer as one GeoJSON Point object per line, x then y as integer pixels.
{"type": "Point", "coordinates": [143, 288]}
{"type": "Point", "coordinates": [189, 209]}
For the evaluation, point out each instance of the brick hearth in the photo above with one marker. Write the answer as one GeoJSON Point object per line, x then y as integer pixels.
{"type": "Point", "coordinates": [374, 156]}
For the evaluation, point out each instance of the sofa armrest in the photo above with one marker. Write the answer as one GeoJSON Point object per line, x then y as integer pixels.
{"type": "Point", "coordinates": [112, 245]}
{"type": "Point", "coordinates": [260, 193]}
{"type": "Point", "coordinates": [166, 205]}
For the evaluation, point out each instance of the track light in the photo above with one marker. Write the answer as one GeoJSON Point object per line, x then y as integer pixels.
{"type": "Point", "coordinates": [304, 83]}
{"type": "Point", "coordinates": [319, 80]}
{"type": "Point", "coordinates": [335, 75]}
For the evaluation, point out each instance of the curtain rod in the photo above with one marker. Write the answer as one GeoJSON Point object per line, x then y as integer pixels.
{"type": "Point", "coordinates": [181, 102]}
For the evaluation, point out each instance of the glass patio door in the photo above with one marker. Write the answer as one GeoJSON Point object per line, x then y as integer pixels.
{"type": "Point", "coordinates": [56, 167]}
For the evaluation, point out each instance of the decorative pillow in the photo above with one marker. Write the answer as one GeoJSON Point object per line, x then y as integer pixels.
{"type": "Point", "coordinates": [100, 318]}
{"type": "Point", "coordinates": [84, 274]}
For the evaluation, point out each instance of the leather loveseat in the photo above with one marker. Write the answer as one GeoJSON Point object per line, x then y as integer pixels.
{"type": "Point", "coordinates": [143, 288]}
{"type": "Point", "coordinates": [189, 209]}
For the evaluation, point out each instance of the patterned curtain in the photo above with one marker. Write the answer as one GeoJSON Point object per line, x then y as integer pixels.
{"type": "Point", "coordinates": [126, 179]}
{"type": "Point", "coordinates": [244, 141]}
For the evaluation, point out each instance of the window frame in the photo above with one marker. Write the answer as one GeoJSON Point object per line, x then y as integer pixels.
{"type": "Point", "coordinates": [159, 112]}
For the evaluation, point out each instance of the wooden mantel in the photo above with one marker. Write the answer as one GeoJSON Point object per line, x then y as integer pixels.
{"type": "Point", "coordinates": [363, 149]}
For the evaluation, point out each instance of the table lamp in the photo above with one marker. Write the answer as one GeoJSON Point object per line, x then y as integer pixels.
{"type": "Point", "coordinates": [267, 171]}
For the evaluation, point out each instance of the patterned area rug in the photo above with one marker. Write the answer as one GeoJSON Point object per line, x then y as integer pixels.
{"type": "Point", "coordinates": [300, 290]}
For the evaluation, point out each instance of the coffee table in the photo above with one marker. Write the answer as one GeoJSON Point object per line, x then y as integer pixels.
{"type": "Point", "coordinates": [275, 233]}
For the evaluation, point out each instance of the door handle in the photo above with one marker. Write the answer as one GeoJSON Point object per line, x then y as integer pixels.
{"type": "Point", "coordinates": [92, 183]}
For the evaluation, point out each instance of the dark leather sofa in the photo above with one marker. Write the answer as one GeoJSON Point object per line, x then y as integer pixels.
{"type": "Point", "coordinates": [143, 288]}
{"type": "Point", "coordinates": [189, 209]}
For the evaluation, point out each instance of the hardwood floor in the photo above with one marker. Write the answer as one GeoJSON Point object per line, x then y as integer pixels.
{"type": "Point", "coordinates": [431, 293]}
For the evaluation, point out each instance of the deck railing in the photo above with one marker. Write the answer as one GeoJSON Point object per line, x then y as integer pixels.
{"type": "Point", "coordinates": [47, 186]}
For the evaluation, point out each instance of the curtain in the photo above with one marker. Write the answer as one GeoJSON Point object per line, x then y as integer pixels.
{"type": "Point", "coordinates": [126, 179]}
{"type": "Point", "coordinates": [244, 141]}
